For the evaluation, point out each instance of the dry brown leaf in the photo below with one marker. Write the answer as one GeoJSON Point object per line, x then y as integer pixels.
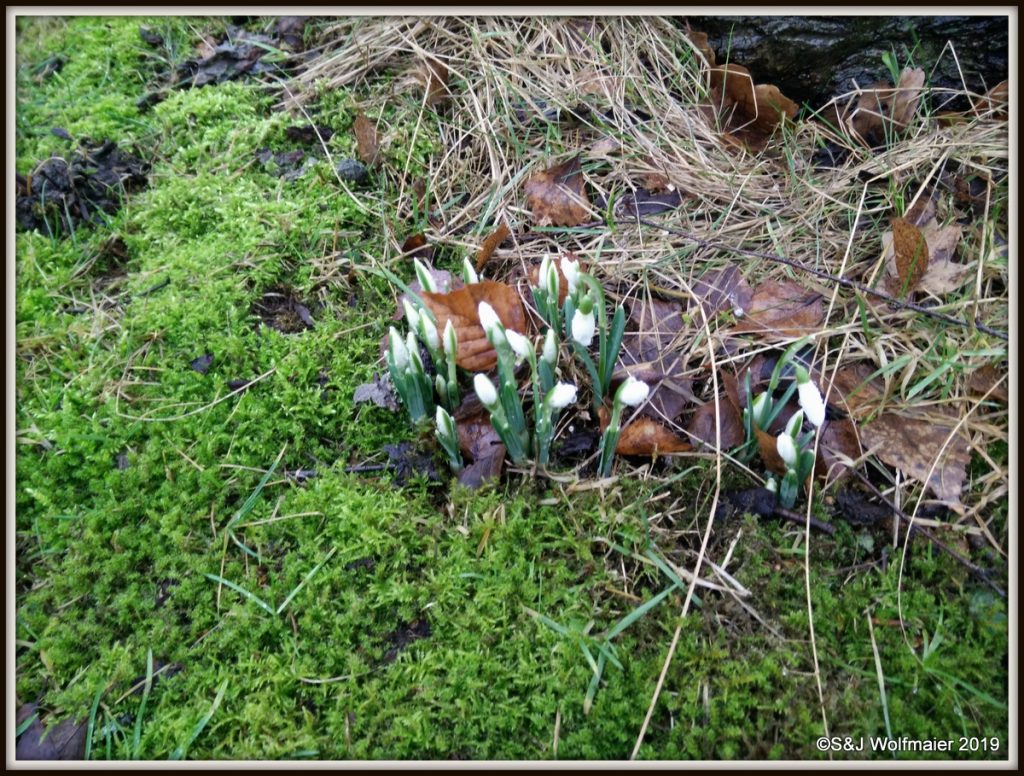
{"type": "Point", "coordinates": [854, 390]}
{"type": "Point", "coordinates": [767, 444]}
{"type": "Point", "coordinates": [702, 44]}
{"type": "Point", "coordinates": [556, 195]}
{"type": "Point", "coordinates": [942, 274]}
{"type": "Point", "coordinates": [839, 441]}
{"type": "Point", "coordinates": [490, 244]}
{"type": "Point", "coordinates": [921, 212]}
{"type": "Point", "coordinates": [433, 74]}
{"type": "Point", "coordinates": [996, 101]}
{"type": "Point", "coordinates": [480, 443]}
{"type": "Point", "coordinates": [646, 437]}
{"type": "Point", "coordinates": [759, 108]}
{"type": "Point", "coordinates": [367, 147]}
{"type": "Point", "coordinates": [989, 378]}
{"type": "Point", "coordinates": [722, 289]}
{"type": "Point", "coordinates": [475, 353]}
{"type": "Point", "coordinates": [911, 254]}
{"type": "Point", "coordinates": [605, 146]}
{"type": "Point", "coordinates": [906, 97]}
{"type": "Point", "coordinates": [415, 247]}
{"type": "Point", "coordinates": [913, 445]}
{"type": "Point", "coordinates": [703, 422]}
{"type": "Point", "coordinates": [782, 308]}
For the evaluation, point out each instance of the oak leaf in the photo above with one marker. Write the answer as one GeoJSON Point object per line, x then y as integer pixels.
{"type": "Point", "coordinates": [782, 308]}
{"type": "Point", "coordinates": [556, 196]}
{"type": "Point", "coordinates": [475, 353]}
{"type": "Point", "coordinates": [922, 449]}
{"type": "Point", "coordinates": [367, 147]}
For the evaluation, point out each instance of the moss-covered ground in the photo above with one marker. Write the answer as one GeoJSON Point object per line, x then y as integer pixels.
{"type": "Point", "coordinates": [413, 631]}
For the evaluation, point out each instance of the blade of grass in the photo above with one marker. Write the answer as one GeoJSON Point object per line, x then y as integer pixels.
{"type": "Point", "coordinates": [250, 502]}
{"type": "Point", "coordinates": [305, 579]}
{"type": "Point", "coordinates": [137, 733]}
{"type": "Point", "coordinates": [238, 589]}
{"type": "Point", "coordinates": [92, 722]}
{"type": "Point", "coordinates": [180, 752]}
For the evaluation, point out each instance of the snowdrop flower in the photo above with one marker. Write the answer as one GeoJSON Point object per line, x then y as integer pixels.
{"type": "Point", "coordinates": [757, 410]}
{"type": "Point", "coordinates": [489, 319]}
{"type": "Point", "coordinates": [771, 484]}
{"type": "Point", "coordinates": [583, 327]}
{"type": "Point", "coordinates": [444, 422]}
{"type": "Point", "coordinates": [787, 450]}
{"type": "Point", "coordinates": [561, 396]}
{"type": "Point", "coordinates": [485, 390]}
{"type": "Point", "coordinates": [520, 345]}
{"type": "Point", "coordinates": [399, 353]}
{"type": "Point", "coordinates": [424, 276]}
{"type": "Point", "coordinates": [550, 351]}
{"type": "Point", "coordinates": [451, 343]}
{"type": "Point", "coordinates": [571, 270]}
{"type": "Point", "coordinates": [810, 398]}
{"type": "Point", "coordinates": [469, 272]}
{"type": "Point", "coordinates": [412, 315]}
{"type": "Point", "coordinates": [414, 351]}
{"type": "Point", "coordinates": [429, 332]}
{"type": "Point", "coordinates": [632, 392]}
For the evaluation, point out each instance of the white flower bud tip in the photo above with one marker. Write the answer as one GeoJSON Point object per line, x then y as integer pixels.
{"type": "Point", "coordinates": [399, 353]}
{"type": "Point", "coordinates": [632, 392]}
{"type": "Point", "coordinates": [485, 390]}
{"type": "Point", "coordinates": [760, 401]}
{"type": "Point", "coordinates": [429, 332]}
{"type": "Point", "coordinates": [787, 449]}
{"type": "Point", "coordinates": [795, 423]}
{"type": "Point", "coordinates": [469, 272]}
{"type": "Point", "coordinates": [561, 396]}
{"type": "Point", "coordinates": [520, 345]}
{"type": "Point", "coordinates": [583, 327]}
{"type": "Point", "coordinates": [445, 424]}
{"type": "Point", "coordinates": [571, 271]}
{"type": "Point", "coordinates": [412, 315]}
{"type": "Point", "coordinates": [424, 276]}
{"type": "Point", "coordinates": [451, 342]}
{"type": "Point", "coordinates": [489, 319]}
{"type": "Point", "coordinates": [550, 351]}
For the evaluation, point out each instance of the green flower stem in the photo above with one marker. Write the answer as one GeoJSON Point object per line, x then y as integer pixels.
{"type": "Point", "coordinates": [609, 439]}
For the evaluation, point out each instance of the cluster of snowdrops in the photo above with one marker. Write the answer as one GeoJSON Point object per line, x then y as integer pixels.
{"type": "Point", "coordinates": [581, 318]}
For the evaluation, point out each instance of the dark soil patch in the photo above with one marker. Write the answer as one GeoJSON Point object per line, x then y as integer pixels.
{"type": "Point", "coordinates": [59, 195]}
{"type": "Point", "coordinates": [282, 309]}
{"type": "Point", "coordinates": [404, 635]}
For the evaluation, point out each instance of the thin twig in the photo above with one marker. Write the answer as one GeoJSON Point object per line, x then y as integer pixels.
{"type": "Point", "coordinates": [801, 520]}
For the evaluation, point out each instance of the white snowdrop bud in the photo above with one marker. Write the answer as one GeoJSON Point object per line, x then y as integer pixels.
{"type": "Point", "coordinates": [561, 396]}
{"type": "Point", "coordinates": [632, 392]}
{"type": "Point", "coordinates": [444, 422]}
{"type": "Point", "coordinates": [412, 315]}
{"type": "Point", "coordinates": [489, 319]}
{"type": "Point", "coordinates": [399, 353]}
{"type": "Point", "coordinates": [485, 390]}
{"type": "Point", "coordinates": [429, 332]}
{"type": "Point", "coordinates": [550, 351]}
{"type": "Point", "coordinates": [787, 449]}
{"type": "Point", "coordinates": [469, 272]}
{"type": "Point", "coordinates": [810, 397]}
{"type": "Point", "coordinates": [423, 275]}
{"type": "Point", "coordinates": [450, 341]}
{"type": "Point", "coordinates": [795, 423]}
{"type": "Point", "coordinates": [520, 345]}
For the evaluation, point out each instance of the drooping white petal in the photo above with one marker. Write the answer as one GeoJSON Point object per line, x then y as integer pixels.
{"type": "Point", "coordinates": [632, 392]}
{"type": "Point", "coordinates": [485, 390]}
{"type": "Point", "coordinates": [561, 396]}
{"type": "Point", "coordinates": [787, 449]}
{"type": "Point", "coordinates": [810, 397]}
{"type": "Point", "coordinates": [571, 270]}
{"type": "Point", "coordinates": [583, 327]}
